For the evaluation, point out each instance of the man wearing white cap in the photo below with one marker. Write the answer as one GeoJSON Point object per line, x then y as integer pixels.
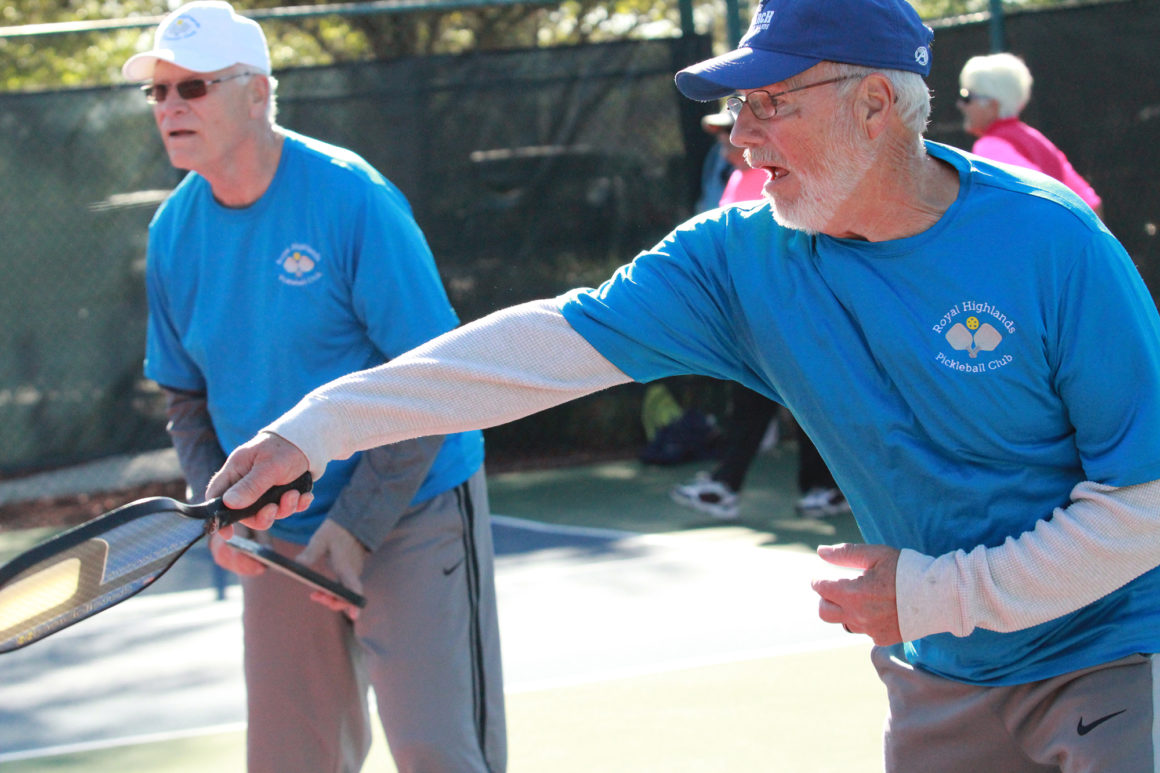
{"type": "Point", "coordinates": [278, 264]}
{"type": "Point", "coordinates": [974, 355]}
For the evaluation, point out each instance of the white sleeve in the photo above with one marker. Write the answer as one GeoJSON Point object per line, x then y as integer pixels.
{"type": "Point", "coordinates": [1104, 539]}
{"type": "Point", "coordinates": [503, 367]}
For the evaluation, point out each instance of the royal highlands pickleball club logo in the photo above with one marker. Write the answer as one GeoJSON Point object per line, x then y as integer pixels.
{"type": "Point", "coordinates": [300, 265]}
{"type": "Point", "coordinates": [971, 337]}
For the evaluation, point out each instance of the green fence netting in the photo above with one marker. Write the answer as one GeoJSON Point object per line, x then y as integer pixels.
{"type": "Point", "coordinates": [530, 171]}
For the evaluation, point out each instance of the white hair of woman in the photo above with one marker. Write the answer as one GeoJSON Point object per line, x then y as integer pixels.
{"type": "Point", "coordinates": [1001, 77]}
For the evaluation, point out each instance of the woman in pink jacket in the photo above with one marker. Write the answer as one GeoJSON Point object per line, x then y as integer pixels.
{"type": "Point", "coordinates": [993, 92]}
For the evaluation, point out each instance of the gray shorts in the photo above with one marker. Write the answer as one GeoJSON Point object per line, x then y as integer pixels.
{"type": "Point", "coordinates": [1103, 719]}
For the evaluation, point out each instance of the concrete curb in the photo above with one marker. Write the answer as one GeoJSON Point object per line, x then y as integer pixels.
{"type": "Point", "coordinates": [110, 474]}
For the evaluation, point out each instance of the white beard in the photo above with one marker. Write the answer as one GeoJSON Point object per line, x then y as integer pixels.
{"type": "Point", "coordinates": [824, 191]}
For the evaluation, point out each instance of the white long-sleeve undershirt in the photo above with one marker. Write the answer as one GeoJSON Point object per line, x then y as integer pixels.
{"type": "Point", "coordinates": [1104, 539]}
{"type": "Point", "coordinates": [503, 367]}
{"type": "Point", "coordinates": [526, 359]}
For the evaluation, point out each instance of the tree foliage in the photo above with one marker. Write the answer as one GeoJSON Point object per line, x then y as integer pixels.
{"type": "Point", "coordinates": [92, 58]}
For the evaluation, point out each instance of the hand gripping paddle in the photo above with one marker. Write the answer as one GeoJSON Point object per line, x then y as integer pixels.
{"type": "Point", "coordinates": [88, 569]}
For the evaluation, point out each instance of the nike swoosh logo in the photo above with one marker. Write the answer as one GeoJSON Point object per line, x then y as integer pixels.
{"type": "Point", "coordinates": [1083, 729]}
{"type": "Point", "coordinates": [455, 566]}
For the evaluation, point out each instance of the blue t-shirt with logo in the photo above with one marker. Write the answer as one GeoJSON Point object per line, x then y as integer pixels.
{"type": "Point", "coordinates": [959, 383]}
{"type": "Point", "coordinates": [326, 274]}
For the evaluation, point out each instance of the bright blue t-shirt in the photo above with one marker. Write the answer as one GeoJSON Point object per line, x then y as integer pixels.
{"type": "Point", "coordinates": [959, 383]}
{"type": "Point", "coordinates": [326, 274]}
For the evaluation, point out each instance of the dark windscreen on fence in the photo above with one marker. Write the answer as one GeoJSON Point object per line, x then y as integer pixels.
{"type": "Point", "coordinates": [1096, 96]}
{"type": "Point", "coordinates": [530, 171]}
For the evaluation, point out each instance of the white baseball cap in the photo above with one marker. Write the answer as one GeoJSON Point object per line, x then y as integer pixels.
{"type": "Point", "coordinates": [203, 36]}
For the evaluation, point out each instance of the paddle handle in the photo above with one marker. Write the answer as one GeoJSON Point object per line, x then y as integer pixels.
{"type": "Point", "coordinates": [224, 516]}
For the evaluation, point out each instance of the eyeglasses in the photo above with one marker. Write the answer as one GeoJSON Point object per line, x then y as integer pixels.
{"type": "Point", "coordinates": [967, 96]}
{"type": "Point", "coordinates": [194, 88]}
{"type": "Point", "coordinates": [764, 105]}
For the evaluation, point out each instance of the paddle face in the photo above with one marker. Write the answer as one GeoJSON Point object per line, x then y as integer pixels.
{"type": "Point", "coordinates": [960, 338]}
{"type": "Point", "coordinates": [987, 338]}
{"type": "Point", "coordinates": [100, 563]}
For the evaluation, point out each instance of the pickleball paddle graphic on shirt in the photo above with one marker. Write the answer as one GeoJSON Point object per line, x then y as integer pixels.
{"type": "Point", "coordinates": [984, 338]}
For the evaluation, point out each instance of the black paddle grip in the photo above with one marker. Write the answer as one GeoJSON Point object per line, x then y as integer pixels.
{"type": "Point", "coordinates": [226, 516]}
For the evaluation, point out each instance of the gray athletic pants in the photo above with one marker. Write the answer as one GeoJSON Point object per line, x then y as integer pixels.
{"type": "Point", "coordinates": [1097, 720]}
{"type": "Point", "coordinates": [427, 642]}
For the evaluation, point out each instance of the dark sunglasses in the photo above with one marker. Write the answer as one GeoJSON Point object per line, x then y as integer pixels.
{"type": "Point", "coordinates": [967, 96]}
{"type": "Point", "coordinates": [194, 88]}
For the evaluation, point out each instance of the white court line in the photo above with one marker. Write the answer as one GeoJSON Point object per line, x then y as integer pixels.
{"type": "Point", "coordinates": [558, 528]}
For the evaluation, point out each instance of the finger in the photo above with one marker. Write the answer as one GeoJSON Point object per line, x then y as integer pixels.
{"type": "Point", "coordinates": [336, 604]}
{"type": "Point", "coordinates": [222, 479]}
{"type": "Point", "coordinates": [327, 600]}
{"type": "Point", "coordinates": [233, 560]}
{"type": "Point", "coordinates": [291, 502]}
{"type": "Point", "coordinates": [349, 577]}
{"type": "Point", "coordinates": [252, 485]}
{"type": "Point", "coordinates": [243, 564]}
{"type": "Point", "coordinates": [263, 519]}
{"type": "Point", "coordinates": [836, 591]}
{"type": "Point", "coordinates": [314, 552]}
{"type": "Point", "coordinates": [850, 555]}
{"type": "Point", "coordinates": [829, 612]}
{"type": "Point", "coordinates": [288, 504]}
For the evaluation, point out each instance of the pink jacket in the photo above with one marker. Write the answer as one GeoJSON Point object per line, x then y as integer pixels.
{"type": "Point", "coordinates": [1013, 142]}
{"type": "Point", "coordinates": [744, 185]}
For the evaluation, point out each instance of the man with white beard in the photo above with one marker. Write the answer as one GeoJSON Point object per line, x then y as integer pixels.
{"type": "Point", "coordinates": [940, 326]}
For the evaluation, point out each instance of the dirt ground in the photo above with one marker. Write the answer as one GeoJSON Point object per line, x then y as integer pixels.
{"type": "Point", "coordinates": [62, 512]}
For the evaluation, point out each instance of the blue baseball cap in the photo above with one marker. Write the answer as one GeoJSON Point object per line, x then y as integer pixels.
{"type": "Point", "coordinates": [787, 37]}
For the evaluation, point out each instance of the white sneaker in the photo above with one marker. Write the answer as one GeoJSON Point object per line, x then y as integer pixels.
{"type": "Point", "coordinates": [708, 496]}
{"type": "Point", "coordinates": [822, 503]}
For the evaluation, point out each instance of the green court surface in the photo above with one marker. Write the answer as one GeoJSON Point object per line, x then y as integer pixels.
{"type": "Point", "coordinates": [801, 710]}
{"type": "Point", "coordinates": [633, 497]}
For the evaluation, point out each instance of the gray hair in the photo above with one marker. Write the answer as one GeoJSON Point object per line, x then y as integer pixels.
{"type": "Point", "coordinates": [272, 104]}
{"type": "Point", "coordinates": [912, 97]}
{"type": "Point", "coordinates": [1001, 77]}
{"type": "Point", "coordinates": [272, 101]}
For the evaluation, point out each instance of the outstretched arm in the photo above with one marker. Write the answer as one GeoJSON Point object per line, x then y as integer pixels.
{"type": "Point", "coordinates": [508, 365]}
